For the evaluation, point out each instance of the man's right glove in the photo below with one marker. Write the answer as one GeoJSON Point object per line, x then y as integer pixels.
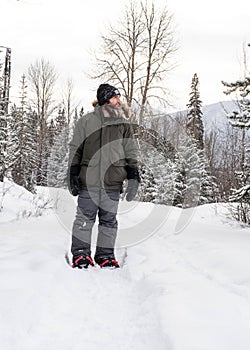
{"type": "Point", "coordinates": [133, 183]}
{"type": "Point", "coordinates": [74, 186]}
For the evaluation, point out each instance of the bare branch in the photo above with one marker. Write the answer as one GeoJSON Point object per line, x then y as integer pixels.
{"type": "Point", "coordinates": [137, 52]}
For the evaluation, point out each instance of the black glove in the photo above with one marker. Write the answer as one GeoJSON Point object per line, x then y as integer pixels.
{"type": "Point", "coordinates": [74, 186]}
{"type": "Point", "coordinates": [133, 183]}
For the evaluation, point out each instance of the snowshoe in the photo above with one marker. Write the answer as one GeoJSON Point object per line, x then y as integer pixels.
{"type": "Point", "coordinates": [82, 262]}
{"type": "Point", "coordinates": [107, 262]}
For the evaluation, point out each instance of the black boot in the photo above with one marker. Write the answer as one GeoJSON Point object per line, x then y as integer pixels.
{"type": "Point", "coordinates": [82, 262]}
{"type": "Point", "coordinates": [108, 261]}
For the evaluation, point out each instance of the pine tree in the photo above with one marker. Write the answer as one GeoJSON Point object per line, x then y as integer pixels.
{"type": "Point", "coordinates": [58, 160]}
{"type": "Point", "coordinates": [31, 146]}
{"type": "Point", "coordinates": [165, 179]}
{"type": "Point", "coordinates": [241, 196]}
{"type": "Point", "coordinates": [240, 119]}
{"type": "Point", "coordinates": [59, 132]}
{"type": "Point", "coordinates": [22, 142]}
{"type": "Point", "coordinates": [60, 120]}
{"type": "Point", "coordinates": [157, 175]}
{"type": "Point", "coordinates": [146, 191]}
{"type": "Point", "coordinates": [194, 114]}
{"type": "Point", "coordinates": [52, 130]}
{"type": "Point", "coordinates": [193, 185]}
{"type": "Point", "coordinates": [3, 130]}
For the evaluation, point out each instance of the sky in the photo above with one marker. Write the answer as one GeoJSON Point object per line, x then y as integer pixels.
{"type": "Point", "coordinates": [210, 36]}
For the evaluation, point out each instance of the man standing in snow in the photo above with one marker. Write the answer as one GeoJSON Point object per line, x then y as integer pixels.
{"type": "Point", "coordinates": [103, 153]}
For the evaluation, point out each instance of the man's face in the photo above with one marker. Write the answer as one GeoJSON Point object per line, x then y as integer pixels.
{"type": "Point", "coordinates": [115, 101]}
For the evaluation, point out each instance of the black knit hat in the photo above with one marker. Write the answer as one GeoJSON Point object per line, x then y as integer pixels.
{"type": "Point", "coordinates": [105, 92]}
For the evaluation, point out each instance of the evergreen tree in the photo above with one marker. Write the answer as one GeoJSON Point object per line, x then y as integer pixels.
{"type": "Point", "coordinates": [241, 196]}
{"type": "Point", "coordinates": [194, 114]}
{"type": "Point", "coordinates": [3, 129]}
{"type": "Point", "coordinates": [58, 160]}
{"type": "Point", "coordinates": [60, 120]}
{"type": "Point", "coordinates": [193, 185]}
{"type": "Point", "coordinates": [44, 153]}
{"type": "Point", "coordinates": [31, 146]}
{"type": "Point", "coordinates": [165, 179]}
{"type": "Point", "coordinates": [157, 175]}
{"type": "Point", "coordinates": [146, 191]}
{"type": "Point", "coordinates": [240, 119]}
{"type": "Point", "coordinates": [22, 143]}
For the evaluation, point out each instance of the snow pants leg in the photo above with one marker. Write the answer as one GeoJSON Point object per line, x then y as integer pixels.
{"type": "Point", "coordinates": [105, 203]}
{"type": "Point", "coordinates": [107, 228]}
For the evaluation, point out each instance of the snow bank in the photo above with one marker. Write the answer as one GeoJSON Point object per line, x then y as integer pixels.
{"type": "Point", "coordinates": [16, 202]}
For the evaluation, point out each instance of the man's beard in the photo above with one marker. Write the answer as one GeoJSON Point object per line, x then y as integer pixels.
{"type": "Point", "coordinates": [115, 111]}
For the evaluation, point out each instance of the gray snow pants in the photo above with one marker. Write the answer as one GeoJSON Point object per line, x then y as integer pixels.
{"type": "Point", "coordinates": [105, 203]}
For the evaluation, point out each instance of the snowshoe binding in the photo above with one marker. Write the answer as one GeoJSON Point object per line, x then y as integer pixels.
{"type": "Point", "coordinates": [107, 262]}
{"type": "Point", "coordinates": [82, 262]}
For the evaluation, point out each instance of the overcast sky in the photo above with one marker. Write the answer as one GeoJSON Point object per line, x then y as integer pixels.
{"type": "Point", "coordinates": [211, 35]}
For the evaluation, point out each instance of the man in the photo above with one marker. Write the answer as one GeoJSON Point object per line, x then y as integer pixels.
{"type": "Point", "coordinates": [103, 153]}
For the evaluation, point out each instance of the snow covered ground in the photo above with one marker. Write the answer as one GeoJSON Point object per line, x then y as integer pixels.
{"type": "Point", "coordinates": [184, 284]}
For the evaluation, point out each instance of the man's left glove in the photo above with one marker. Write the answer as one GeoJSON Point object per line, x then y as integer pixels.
{"type": "Point", "coordinates": [74, 186]}
{"type": "Point", "coordinates": [133, 183]}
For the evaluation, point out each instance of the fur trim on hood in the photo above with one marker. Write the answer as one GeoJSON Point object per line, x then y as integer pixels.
{"type": "Point", "coordinates": [95, 103]}
{"type": "Point", "coordinates": [125, 107]}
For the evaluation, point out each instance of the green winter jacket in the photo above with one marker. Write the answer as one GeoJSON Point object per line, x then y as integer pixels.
{"type": "Point", "coordinates": [103, 147]}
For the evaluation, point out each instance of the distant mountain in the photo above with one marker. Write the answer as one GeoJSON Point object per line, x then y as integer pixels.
{"type": "Point", "coordinates": [215, 115]}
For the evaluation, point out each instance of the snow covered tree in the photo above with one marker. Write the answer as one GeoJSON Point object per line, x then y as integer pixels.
{"type": "Point", "coordinates": [157, 178]}
{"type": "Point", "coordinates": [31, 147]}
{"type": "Point", "coordinates": [60, 120]}
{"type": "Point", "coordinates": [146, 191]}
{"type": "Point", "coordinates": [240, 119]}
{"type": "Point", "coordinates": [165, 178]}
{"type": "Point", "coordinates": [194, 113]}
{"type": "Point", "coordinates": [241, 211]}
{"type": "Point", "coordinates": [22, 144]}
{"type": "Point", "coordinates": [193, 184]}
{"type": "Point", "coordinates": [157, 169]}
{"type": "Point", "coordinates": [3, 129]}
{"type": "Point", "coordinates": [58, 160]}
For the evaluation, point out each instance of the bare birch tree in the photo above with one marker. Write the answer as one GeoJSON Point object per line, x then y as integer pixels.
{"type": "Point", "coordinates": [68, 100]}
{"type": "Point", "coordinates": [137, 53]}
{"type": "Point", "coordinates": [42, 78]}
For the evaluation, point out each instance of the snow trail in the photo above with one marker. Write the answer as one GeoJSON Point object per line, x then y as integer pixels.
{"type": "Point", "coordinates": [185, 291]}
{"type": "Point", "coordinates": [46, 304]}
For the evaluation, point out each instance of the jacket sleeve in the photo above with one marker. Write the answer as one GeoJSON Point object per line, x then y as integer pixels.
{"type": "Point", "coordinates": [76, 144]}
{"type": "Point", "coordinates": [131, 148]}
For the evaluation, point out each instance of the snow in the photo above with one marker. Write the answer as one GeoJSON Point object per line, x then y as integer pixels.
{"type": "Point", "coordinates": [184, 283]}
